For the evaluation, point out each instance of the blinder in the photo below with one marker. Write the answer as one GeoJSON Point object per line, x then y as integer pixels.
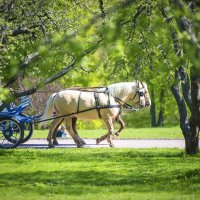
{"type": "Point", "coordinates": [141, 92]}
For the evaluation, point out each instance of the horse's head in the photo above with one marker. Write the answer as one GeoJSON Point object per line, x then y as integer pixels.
{"type": "Point", "coordinates": [142, 97]}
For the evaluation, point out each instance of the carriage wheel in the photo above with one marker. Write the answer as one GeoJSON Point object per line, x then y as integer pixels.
{"type": "Point", "coordinates": [28, 129]}
{"type": "Point", "coordinates": [11, 133]}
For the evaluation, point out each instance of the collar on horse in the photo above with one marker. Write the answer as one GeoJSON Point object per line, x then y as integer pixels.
{"type": "Point", "coordinates": [97, 100]}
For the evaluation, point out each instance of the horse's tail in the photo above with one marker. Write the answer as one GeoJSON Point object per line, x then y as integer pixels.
{"type": "Point", "coordinates": [49, 110]}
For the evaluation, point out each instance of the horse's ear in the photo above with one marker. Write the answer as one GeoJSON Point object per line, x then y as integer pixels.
{"type": "Point", "coordinates": [139, 84]}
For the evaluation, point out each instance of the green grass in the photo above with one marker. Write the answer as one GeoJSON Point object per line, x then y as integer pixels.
{"type": "Point", "coordinates": [89, 174]}
{"type": "Point", "coordinates": [170, 132]}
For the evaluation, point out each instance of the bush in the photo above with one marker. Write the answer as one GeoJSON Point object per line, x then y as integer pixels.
{"type": "Point", "coordinates": [95, 124]}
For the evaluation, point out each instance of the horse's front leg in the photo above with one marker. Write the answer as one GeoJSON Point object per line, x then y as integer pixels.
{"type": "Point", "coordinates": [51, 132]}
{"type": "Point", "coordinates": [98, 140]}
{"type": "Point", "coordinates": [122, 126]}
{"type": "Point", "coordinates": [109, 124]}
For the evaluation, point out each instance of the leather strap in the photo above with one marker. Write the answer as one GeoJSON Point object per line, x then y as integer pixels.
{"type": "Point", "coordinates": [98, 107]}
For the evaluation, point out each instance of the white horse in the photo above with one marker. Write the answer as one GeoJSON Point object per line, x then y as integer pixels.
{"type": "Point", "coordinates": [103, 103]}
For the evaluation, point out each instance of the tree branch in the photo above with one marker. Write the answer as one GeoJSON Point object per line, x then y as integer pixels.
{"type": "Point", "coordinates": [25, 64]}
{"type": "Point", "coordinates": [186, 88]}
{"type": "Point", "coordinates": [21, 30]}
{"type": "Point", "coordinates": [49, 79]}
{"type": "Point", "coordinates": [103, 13]}
{"type": "Point", "coordinates": [139, 11]}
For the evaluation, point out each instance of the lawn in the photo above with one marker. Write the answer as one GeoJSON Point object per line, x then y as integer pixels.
{"type": "Point", "coordinates": [89, 174]}
{"type": "Point", "coordinates": [168, 132]}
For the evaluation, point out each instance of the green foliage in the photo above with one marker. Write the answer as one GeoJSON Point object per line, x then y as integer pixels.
{"type": "Point", "coordinates": [135, 44]}
{"type": "Point", "coordinates": [138, 119]}
{"type": "Point", "coordinates": [3, 93]}
{"type": "Point", "coordinates": [142, 118]}
{"type": "Point", "coordinates": [124, 43]}
{"type": "Point", "coordinates": [95, 124]}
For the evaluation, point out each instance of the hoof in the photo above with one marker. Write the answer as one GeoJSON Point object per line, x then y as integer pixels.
{"type": "Point", "coordinates": [116, 136]}
{"type": "Point", "coordinates": [80, 146]}
{"type": "Point", "coordinates": [98, 141]}
{"type": "Point", "coordinates": [55, 143]}
{"type": "Point", "coordinates": [83, 142]}
{"type": "Point", "coordinates": [51, 145]}
{"type": "Point", "coordinates": [112, 145]}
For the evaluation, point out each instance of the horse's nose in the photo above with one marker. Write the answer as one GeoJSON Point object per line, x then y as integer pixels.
{"type": "Point", "coordinates": [141, 106]}
{"type": "Point", "coordinates": [147, 104]}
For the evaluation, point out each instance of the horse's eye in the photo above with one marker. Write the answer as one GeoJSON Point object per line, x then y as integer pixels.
{"type": "Point", "coordinates": [141, 94]}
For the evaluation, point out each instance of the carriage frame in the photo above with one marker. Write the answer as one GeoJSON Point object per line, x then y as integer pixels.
{"type": "Point", "coordinates": [15, 126]}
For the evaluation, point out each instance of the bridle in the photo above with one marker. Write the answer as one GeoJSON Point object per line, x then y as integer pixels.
{"type": "Point", "coordinates": [141, 93]}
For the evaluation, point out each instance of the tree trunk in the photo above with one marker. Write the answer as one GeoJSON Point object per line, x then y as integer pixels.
{"type": "Point", "coordinates": [189, 129]}
{"type": "Point", "coordinates": [184, 124]}
{"type": "Point", "coordinates": [160, 121]}
{"type": "Point", "coordinates": [192, 142]}
{"type": "Point", "coordinates": [153, 108]}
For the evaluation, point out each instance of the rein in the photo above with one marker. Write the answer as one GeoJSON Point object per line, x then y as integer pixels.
{"type": "Point", "coordinates": [126, 105]}
{"type": "Point", "coordinates": [74, 113]}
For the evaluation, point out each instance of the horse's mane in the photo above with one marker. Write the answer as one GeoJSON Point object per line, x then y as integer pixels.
{"type": "Point", "coordinates": [124, 87]}
{"type": "Point", "coordinates": [114, 89]}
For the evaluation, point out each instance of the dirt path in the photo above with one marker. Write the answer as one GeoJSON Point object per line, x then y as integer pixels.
{"type": "Point", "coordinates": [121, 143]}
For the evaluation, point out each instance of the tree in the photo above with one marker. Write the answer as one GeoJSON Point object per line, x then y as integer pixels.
{"type": "Point", "coordinates": [127, 39]}
{"type": "Point", "coordinates": [29, 47]}
{"type": "Point", "coordinates": [190, 128]}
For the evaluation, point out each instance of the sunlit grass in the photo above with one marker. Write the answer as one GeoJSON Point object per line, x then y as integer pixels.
{"type": "Point", "coordinates": [98, 174]}
{"type": "Point", "coordinates": [169, 132]}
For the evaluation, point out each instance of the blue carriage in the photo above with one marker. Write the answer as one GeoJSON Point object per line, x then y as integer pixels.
{"type": "Point", "coordinates": [15, 126]}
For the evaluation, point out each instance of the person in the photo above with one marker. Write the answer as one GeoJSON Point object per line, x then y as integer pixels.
{"type": "Point", "coordinates": [12, 105]}
{"type": "Point", "coordinates": [61, 132]}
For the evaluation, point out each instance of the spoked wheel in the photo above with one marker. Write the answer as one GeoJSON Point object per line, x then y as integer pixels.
{"type": "Point", "coordinates": [11, 133]}
{"type": "Point", "coordinates": [28, 129]}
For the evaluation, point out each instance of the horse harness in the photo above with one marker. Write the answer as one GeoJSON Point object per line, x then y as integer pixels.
{"type": "Point", "coordinates": [140, 92]}
{"type": "Point", "coordinates": [97, 101]}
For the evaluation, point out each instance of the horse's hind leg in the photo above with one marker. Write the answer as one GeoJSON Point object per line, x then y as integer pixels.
{"type": "Point", "coordinates": [68, 122]}
{"type": "Point", "coordinates": [53, 126]}
{"type": "Point", "coordinates": [74, 120]}
{"type": "Point", "coordinates": [122, 126]}
{"type": "Point", "coordinates": [55, 142]}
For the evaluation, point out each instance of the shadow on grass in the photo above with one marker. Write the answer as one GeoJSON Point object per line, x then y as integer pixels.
{"type": "Point", "coordinates": [83, 171]}
{"type": "Point", "coordinates": [76, 182]}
